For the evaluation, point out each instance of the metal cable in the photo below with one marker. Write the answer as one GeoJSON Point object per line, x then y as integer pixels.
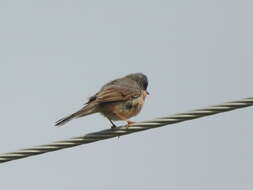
{"type": "Point", "coordinates": [124, 130]}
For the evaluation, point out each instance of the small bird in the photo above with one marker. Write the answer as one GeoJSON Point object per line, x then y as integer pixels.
{"type": "Point", "coordinates": [117, 100]}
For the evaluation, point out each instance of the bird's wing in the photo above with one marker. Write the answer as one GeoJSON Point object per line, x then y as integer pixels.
{"type": "Point", "coordinates": [114, 94]}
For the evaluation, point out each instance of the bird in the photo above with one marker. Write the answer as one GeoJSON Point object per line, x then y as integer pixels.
{"type": "Point", "coordinates": [117, 100]}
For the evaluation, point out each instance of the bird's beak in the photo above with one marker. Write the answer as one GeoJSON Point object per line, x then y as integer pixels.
{"type": "Point", "coordinates": [147, 92]}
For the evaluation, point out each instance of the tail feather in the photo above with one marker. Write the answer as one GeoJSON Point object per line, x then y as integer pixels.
{"type": "Point", "coordinates": [88, 109]}
{"type": "Point", "coordinates": [65, 120]}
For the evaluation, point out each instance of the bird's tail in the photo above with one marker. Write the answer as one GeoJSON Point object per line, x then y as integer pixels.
{"type": "Point", "coordinates": [87, 110]}
{"type": "Point", "coordinates": [64, 120]}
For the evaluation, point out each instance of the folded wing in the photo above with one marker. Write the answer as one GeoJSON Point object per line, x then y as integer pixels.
{"type": "Point", "coordinates": [114, 94]}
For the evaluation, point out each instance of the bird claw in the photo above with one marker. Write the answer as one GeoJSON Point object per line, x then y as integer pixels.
{"type": "Point", "coordinates": [129, 123]}
{"type": "Point", "coordinates": [113, 126]}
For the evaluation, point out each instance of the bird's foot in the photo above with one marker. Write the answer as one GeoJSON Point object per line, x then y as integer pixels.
{"type": "Point", "coordinates": [129, 123]}
{"type": "Point", "coordinates": [113, 126]}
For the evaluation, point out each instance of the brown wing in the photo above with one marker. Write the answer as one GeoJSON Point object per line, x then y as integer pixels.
{"type": "Point", "coordinates": [114, 94]}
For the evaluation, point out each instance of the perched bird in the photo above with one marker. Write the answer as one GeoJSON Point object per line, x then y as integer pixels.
{"type": "Point", "coordinates": [119, 99]}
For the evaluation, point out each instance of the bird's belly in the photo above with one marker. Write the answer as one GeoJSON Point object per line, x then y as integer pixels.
{"type": "Point", "coordinates": [130, 109]}
{"type": "Point", "coordinates": [125, 110]}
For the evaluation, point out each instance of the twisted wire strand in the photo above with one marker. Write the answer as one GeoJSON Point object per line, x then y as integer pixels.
{"type": "Point", "coordinates": [124, 130]}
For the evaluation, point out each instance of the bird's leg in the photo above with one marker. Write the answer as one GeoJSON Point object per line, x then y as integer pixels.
{"type": "Point", "coordinates": [113, 125]}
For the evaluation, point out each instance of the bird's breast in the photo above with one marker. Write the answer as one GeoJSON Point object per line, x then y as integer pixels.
{"type": "Point", "coordinates": [126, 109]}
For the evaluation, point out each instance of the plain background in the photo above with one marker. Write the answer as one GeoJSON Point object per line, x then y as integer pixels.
{"type": "Point", "coordinates": [55, 54]}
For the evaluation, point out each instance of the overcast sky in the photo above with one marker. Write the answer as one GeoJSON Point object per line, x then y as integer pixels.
{"type": "Point", "coordinates": [55, 54]}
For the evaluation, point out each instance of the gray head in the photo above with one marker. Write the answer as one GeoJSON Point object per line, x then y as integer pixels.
{"type": "Point", "coordinates": [140, 78]}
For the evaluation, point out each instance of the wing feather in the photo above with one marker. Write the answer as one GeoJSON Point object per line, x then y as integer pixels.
{"type": "Point", "coordinates": [115, 93]}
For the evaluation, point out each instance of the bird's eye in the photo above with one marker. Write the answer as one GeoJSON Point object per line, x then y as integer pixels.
{"type": "Point", "coordinates": [145, 85]}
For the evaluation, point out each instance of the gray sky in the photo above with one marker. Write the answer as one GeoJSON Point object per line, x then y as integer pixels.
{"type": "Point", "coordinates": [55, 54]}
